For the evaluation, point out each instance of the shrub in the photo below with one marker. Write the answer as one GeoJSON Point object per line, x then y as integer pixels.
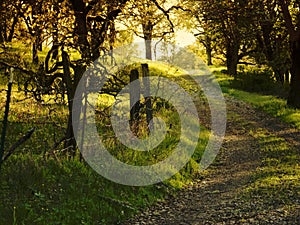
{"type": "Point", "coordinates": [260, 81]}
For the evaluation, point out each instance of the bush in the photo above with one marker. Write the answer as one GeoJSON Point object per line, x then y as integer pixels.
{"type": "Point", "coordinates": [260, 81]}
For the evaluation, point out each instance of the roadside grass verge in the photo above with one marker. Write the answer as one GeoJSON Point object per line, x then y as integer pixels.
{"type": "Point", "coordinates": [271, 104]}
{"type": "Point", "coordinates": [277, 181]}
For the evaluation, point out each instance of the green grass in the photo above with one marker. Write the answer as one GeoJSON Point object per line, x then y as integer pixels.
{"type": "Point", "coordinates": [270, 104]}
{"type": "Point", "coordinates": [277, 180]}
{"type": "Point", "coordinates": [40, 190]}
{"type": "Point", "coordinates": [41, 185]}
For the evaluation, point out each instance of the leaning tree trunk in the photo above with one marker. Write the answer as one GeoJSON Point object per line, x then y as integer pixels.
{"type": "Point", "coordinates": [294, 94]}
{"type": "Point", "coordinates": [12, 29]}
{"type": "Point", "coordinates": [232, 57]}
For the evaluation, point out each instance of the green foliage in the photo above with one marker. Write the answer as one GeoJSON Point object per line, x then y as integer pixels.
{"type": "Point", "coordinates": [260, 81]}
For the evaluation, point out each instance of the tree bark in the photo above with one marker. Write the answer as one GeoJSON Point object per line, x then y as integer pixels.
{"type": "Point", "coordinates": [208, 50]}
{"type": "Point", "coordinates": [70, 142]}
{"type": "Point", "coordinates": [232, 57]}
{"type": "Point", "coordinates": [1, 36]}
{"type": "Point", "coordinates": [279, 75]}
{"type": "Point", "coordinates": [71, 85]}
{"type": "Point", "coordinates": [12, 29]}
{"type": "Point", "coordinates": [35, 57]}
{"type": "Point", "coordinates": [147, 31]}
{"type": "Point", "coordinates": [36, 12]}
{"type": "Point", "coordinates": [81, 30]}
{"type": "Point", "coordinates": [287, 77]}
{"type": "Point", "coordinates": [148, 102]}
{"type": "Point", "coordinates": [294, 94]}
{"type": "Point", "coordinates": [148, 44]}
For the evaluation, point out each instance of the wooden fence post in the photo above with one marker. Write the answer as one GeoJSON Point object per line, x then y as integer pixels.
{"type": "Point", "coordinates": [135, 93]}
{"type": "Point", "coordinates": [146, 82]}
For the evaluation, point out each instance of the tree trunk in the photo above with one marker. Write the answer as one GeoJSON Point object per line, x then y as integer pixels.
{"type": "Point", "coordinates": [208, 50]}
{"type": "Point", "coordinates": [70, 143]}
{"type": "Point", "coordinates": [35, 57]}
{"type": "Point", "coordinates": [279, 75]}
{"type": "Point", "coordinates": [147, 31]}
{"type": "Point", "coordinates": [294, 94]}
{"type": "Point", "coordinates": [36, 34]}
{"type": "Point", "coordinates": [4, 32]}
{"type": "Point", "coordinates": [37, 45]}
{"type": "Point", "coordinates": [148, 102]}
{"type": "Point", "coordinates": [232, 57]}
{"type": "Point", "coordinates": [1, 36]}
{"type": "Point", "coordinates": [12, 29]}
{"type": "Point", "coordinates": [81, 30]}
{"type": "Point", "coordinates": [287, 77]}
{"type": "Point", "coordinates": [71, 84]}
{"type": "Point", "coordinates": [148, 44]}
{"type": "Point", "coordinates": [209, 57]}
{"type": "Point", "coordinates": [55, 42]}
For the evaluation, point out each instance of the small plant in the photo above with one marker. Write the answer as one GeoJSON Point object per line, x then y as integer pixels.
{"type": "Point", "coordinates": [14, 216]}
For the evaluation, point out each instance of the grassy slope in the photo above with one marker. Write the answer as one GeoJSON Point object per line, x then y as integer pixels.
{"type": "Point", "coordinates": [40, 186]}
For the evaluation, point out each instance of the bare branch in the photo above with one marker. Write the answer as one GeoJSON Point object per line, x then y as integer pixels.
{"type": "Point", "coordinates": [18, 143]}
{"type": "Point", "coordinates": [166, 13]}
{"type": "Point", "coordinates": [21, 69]}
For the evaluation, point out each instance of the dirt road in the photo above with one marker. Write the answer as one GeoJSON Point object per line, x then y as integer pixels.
{"type": "Point", "coordinates": [219, 198]}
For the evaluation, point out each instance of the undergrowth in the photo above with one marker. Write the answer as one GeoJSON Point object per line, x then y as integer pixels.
{"type": "Point", "coordinates": [270, 103]}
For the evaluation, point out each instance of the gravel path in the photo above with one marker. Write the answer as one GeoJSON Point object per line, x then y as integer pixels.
{"type": "Point", "coordinates": [216, 199]}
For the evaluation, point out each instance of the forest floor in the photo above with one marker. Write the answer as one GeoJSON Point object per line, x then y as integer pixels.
{"type": "Point", "coordinates": [254, 180]}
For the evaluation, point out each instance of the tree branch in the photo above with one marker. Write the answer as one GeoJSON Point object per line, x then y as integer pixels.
{"type": "Point", "coordinates": [23, 70]}
{"type": "Point", "coordinates": [18, 143]}
{"type": "Point", "coordinates": [288, 19]}
{"type": "Point", "coordinates": [166, 13]}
